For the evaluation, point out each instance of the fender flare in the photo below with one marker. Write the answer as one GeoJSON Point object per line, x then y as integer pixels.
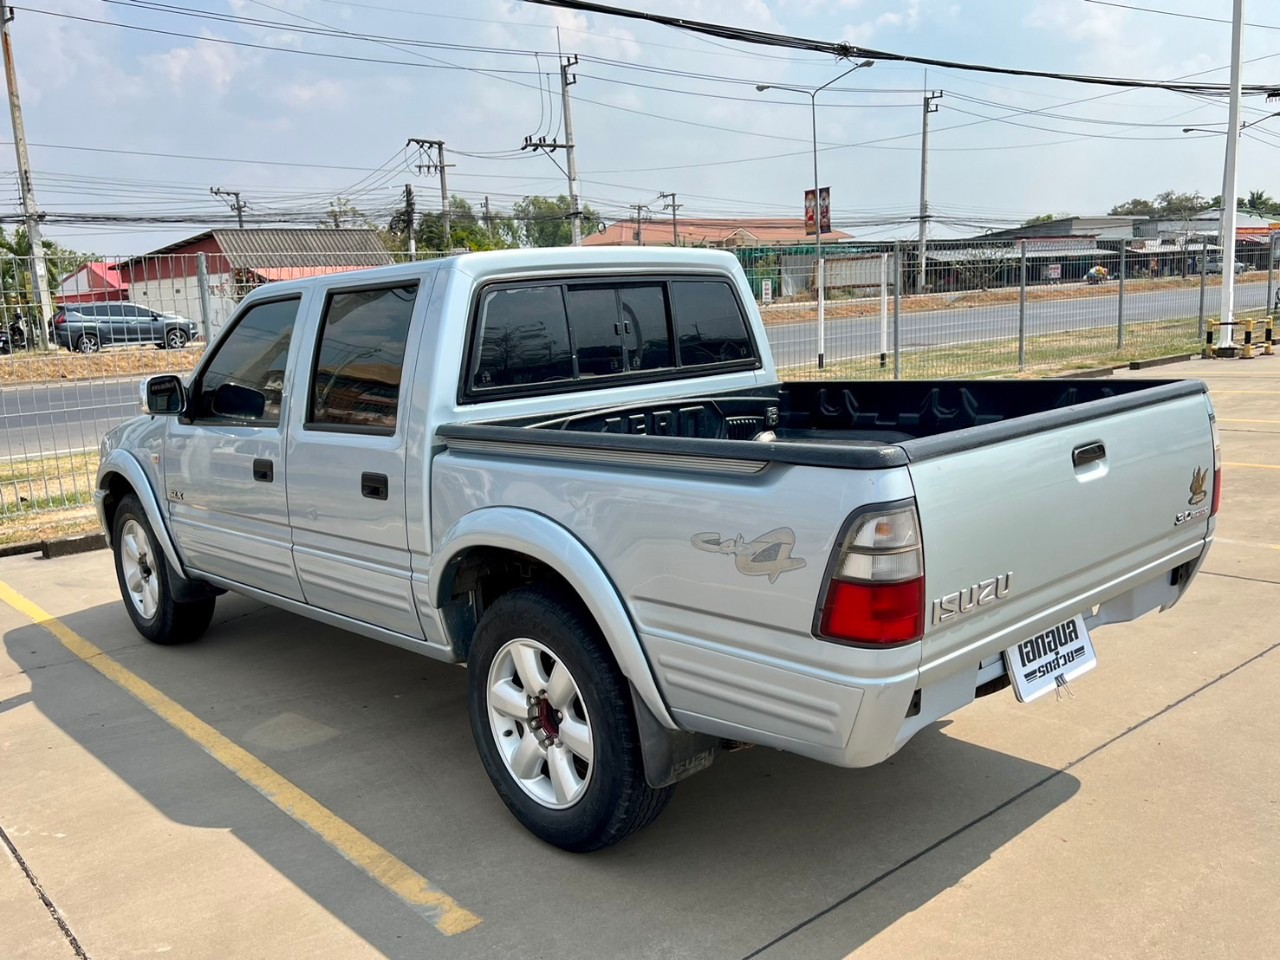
{"type": "Point", "coordinates": [127, 466]}
{"type": "Point", "coordinates": [523, 531]}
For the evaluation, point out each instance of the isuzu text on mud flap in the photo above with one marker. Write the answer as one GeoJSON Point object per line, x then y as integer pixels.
{"type": "Point", "coordinates": [577, 471]}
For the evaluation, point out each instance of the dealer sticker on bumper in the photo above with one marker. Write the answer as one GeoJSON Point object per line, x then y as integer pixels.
{"type": "Point", "coordinates": [1047, 660]}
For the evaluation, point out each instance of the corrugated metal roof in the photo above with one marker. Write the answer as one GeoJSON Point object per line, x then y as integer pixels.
{"type": "Point", "coordinates": [251, 249]}
{"type": "Point", "coordinates": [1012, 254]}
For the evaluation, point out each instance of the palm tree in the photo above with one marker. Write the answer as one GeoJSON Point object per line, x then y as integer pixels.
{"type": "Point", "coordinates": [1258, 200]}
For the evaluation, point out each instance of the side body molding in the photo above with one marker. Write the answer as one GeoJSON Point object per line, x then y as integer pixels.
{"type": "Point", "coordinates": [532, 534]}
{"type": "Point", "coordinates": [124, 463]}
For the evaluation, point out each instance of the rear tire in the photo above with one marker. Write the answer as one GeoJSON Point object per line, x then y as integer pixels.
{"type": "Point", "coordinates": [565, 758]}
{"type": "Point", "coordinates": [88, 343]}
{"type": "Point", "coordinates": [145, 586]}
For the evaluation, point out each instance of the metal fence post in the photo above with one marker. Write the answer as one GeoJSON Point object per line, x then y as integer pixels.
{"type": "Point", "coordinates": [884, 310]}
{"type": "Point", "coordinates": [206, 304]}
{"type": "Point", "coordinates": [897, 307]}
{"type": "Point", "coordinates": [1022, 307]}
{"type": "Point", "coordinates": [1271, 264]}
{"type": "Point", "coordinates": [1204, 268]}
{"type": "Point", "coordinates": [1124, 244]}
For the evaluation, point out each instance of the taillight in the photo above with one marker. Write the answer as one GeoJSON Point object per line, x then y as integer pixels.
{"type": "Point", "coordinates": [60, 319]}
{"type": "Point", "coordinates": [876, 591]}
{"type": "Point", "coordinates": [1217, 465]}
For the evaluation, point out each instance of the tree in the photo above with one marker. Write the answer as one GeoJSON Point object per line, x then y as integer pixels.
{"type": "Point", "coordinates": [1043, 218]}
{"type": "Point", "coordinates": [467, 230]}
{"type": "Point", "coordinates": [16, 290]}
{"type": "Point", "coordinates": [1168, 205]}
{"type": "Point", "coordinates": [545, 222]}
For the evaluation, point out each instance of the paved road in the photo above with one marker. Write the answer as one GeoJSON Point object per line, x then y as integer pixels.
{"type": "Point", "coordinates": [797, 343]}
{"type": "Point", "coordinates": [1137, 817]}
{"type": "Point", "coordinates": [41, 419]}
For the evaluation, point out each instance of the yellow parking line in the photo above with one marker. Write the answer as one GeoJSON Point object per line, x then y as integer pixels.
{"type": "Point", "coordinates": [444, 912]}
{"type": "Point", "coordinates": [1237, 420]}
{"type": "Point", "coordinates": [1247, 393]}
{"type": "Point", "coordinates": [1255, 466]}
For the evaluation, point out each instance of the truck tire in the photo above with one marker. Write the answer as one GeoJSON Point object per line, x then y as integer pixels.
{"type": "Point", "coordinates": [551, 716]}
{"type": "Point", "coordinates": [143, 574]}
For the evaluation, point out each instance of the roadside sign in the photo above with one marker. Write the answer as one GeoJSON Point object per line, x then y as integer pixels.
{"type": "Point", "coordinates": [766, 291]}
{"type": "Point", "coordinates": [1051, 271]}
{"type": "Point", "coordinates": [823, 212]}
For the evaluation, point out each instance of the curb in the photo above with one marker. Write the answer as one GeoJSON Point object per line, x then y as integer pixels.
{"type": "Point", "coordinates": [61, 547]}
{"type": "Point", "coordinates": [1159, 361]}
{"type": "Point", "coordinates": [1083, 374]}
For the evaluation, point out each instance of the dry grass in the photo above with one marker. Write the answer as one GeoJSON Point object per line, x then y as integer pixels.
{"type": "Point", "coordinates": [35, 367]}
{"type": "Point", "coordinates": [802, 311]}
{"type": "Point", "coordinates": [47, 525]}
{"type": "Point", "coordinates": [1045, 355]}
{"type": "Point", "coordinates": [44, 483]}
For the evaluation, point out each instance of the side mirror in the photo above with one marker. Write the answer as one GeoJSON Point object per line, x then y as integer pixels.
{"type": "Point", "coordinates": [164, 395]}
{"type": "Point", "coordinates": [238, 403]}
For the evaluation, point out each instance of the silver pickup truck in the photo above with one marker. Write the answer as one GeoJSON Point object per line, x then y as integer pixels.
{"type": "Point", "coordinates": [578, 472]}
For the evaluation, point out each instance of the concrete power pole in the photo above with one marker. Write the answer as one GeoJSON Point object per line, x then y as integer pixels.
{"type": "Point", "coordinates": [410, 211]}
{"type": "Point", "coordinates": [575, 210]}
{"type": "Point", "coordinates": [929, 107]}
{"type": "Point", "coordinates": [673, 207]}
{"type": "Point", "coordinates": [39, 270]}
{"type": "Point", "coordinates": [436, 164]}
{"type": "Point", "coordinates": [639, 208]}
{"type": "Point", "coordinates": [1227, 230]}
{"type": "Point", "coordinates": [236, 204]}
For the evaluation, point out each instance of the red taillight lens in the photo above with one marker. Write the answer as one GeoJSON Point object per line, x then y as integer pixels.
{"type": "Point", "coordinates": [1217, 465]}
{"type": "Point", "coordinates": [876, 592]}
{"type": "Point", "coordinates": [60, 319]}
{"type": "Point", "coordinates": [874, 612]}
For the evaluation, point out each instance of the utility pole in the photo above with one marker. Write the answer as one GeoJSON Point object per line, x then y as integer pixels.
{"type": "Point", "coordinates": [39, 270]}
{"type": "Point", "coordinates": [567, 80]}
{"type": "Point", "coordinates": [409, 215]}
{"type": "Point", "coordinates": [673, 207]}
{"type": "Point", "coordinates": [488, 217]}
{"type": "Point", "coordinates": [639, 208]}
{"type": "Point", "coordinates": [237, 204]}
{"type": "Point", "coordinates": [436, 164]}
{"type": "Point", "coordinates": [929, 107]}
{"type": "Point", "coordinates": [1227, 231]}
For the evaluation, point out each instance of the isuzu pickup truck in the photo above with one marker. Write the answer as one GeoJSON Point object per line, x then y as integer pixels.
{"type": "Point", "coordinates": [578, 472]}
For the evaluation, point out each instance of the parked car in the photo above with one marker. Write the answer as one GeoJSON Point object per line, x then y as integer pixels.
{"type": "Point", "coordinates": [88, 327]}
{"type": "Point", "coordinates": [6, 342]}
{"type": "Point", "coordinates": [659, 552]}
{"type": "Point", "coordinates": [1214, 265]}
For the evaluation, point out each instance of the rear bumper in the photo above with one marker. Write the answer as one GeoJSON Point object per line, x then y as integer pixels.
{"type": "Point", "coordinates": [841, 718]}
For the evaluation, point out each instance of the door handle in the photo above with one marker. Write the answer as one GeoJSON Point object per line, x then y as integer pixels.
{"type": "Point", "coordinates": [373, 486]}
{"type": "Point", "coordinates": [263, 470]}
{"type": "Point", "coordinates": [1088, 453]}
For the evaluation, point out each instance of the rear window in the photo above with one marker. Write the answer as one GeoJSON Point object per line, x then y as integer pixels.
{"type": "Point", "coordinates": [537, 335]}
{"type": "Point", "coordinates": [709, 324]}
{"type": "Point", "coordinates": [524, 338]}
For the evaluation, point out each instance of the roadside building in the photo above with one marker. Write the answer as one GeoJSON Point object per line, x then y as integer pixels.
{"type": "Point", "coordinates": [237, 261]}
{"type": "Point", "coordinates": [94, 282]}
{"type": "Point", "coordinates": [727, 233]}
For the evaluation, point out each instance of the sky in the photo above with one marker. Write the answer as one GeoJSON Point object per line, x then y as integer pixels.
{"type": "Point", "coordinates": [298, 109]}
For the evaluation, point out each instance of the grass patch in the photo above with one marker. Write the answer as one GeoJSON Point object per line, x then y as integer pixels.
{"type": "Point", "coordinates": [37, 367]}
{"type": "Point", "coordinates": [47, 525]}
{"type": "Point", "coordinates": [45, 483]}
{"type": "Point", "coordinates": [1045, 354]}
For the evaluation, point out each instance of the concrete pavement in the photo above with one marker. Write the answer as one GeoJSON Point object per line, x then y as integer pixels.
{"type": "Point", "coordinates": [1138, 818]}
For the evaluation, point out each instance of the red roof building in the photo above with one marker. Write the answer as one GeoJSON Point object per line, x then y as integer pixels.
{"type": "Point", "coordinates": [95, 282]}
{"type": "Point", "coordinates": [745, 232]}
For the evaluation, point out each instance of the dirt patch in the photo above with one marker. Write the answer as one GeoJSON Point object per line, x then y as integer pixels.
{"type": "Point", "coordinates": [36, 367]}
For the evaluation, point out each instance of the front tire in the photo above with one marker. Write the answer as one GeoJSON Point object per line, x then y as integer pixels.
{"type": "Point", "coordinates": [145, 586]}
{"type": "Point", "coordinates": [175, 339]}
{"type": "Point", "coordinates": [551, 716]}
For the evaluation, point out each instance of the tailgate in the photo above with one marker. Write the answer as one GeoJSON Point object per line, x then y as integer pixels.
{"type": "Point", "coordinates": [1060, 518]}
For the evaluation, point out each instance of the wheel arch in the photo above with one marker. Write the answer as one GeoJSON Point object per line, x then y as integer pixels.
{"type": "Point", "coordinates": [119, 475]}
{"type": "Point", "coordinates": [536, 548]}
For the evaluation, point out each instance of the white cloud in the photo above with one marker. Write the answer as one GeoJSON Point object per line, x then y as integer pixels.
{"type": "Point", "coordinates": [209, 67]}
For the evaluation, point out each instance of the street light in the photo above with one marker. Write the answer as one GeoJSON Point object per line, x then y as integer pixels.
{"type": "Point", "coordinates": [817, 206]}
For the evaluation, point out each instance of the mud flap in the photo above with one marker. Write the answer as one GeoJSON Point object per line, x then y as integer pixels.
{"type": "Point", "coordinates": [670, 755]}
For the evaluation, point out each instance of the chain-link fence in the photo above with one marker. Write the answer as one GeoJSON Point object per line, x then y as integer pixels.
{"type": "Point", "coordinates": [973, 308]}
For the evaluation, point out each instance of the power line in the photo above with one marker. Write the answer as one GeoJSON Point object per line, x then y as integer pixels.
{"type": "Point", "coordinates": [848, 51]}
{"type": "Point", "coordinates": [1174, 13]}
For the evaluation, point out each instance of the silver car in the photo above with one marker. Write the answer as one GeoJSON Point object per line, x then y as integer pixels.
{"type": "Point", "coordinates": [88, 327]}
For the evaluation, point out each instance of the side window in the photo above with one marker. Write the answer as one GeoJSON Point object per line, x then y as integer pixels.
{"type": "Point", "coordinates": [644, 327]}
{"type": "Point", "coordinates": [244, 380]}
{"type": "Point", "coordinates": [91, 311]}
{"type": "Point", "coordinates": [523, 339]}
{"type": "Point", "coordinates": [593, 317]}
{"type": "Point", "coordinates": [360, 358]}
{"type": "Point", "coordinates": [710, 327]}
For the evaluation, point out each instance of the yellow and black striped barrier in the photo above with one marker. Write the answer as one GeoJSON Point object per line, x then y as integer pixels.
{"type": "Point", "coordinates": [1258, 334]}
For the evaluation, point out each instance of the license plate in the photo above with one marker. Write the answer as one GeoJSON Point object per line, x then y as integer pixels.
{"type": "Point", "coordinates": [1049, 659]}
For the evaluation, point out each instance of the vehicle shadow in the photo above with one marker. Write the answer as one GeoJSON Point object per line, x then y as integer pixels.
{"type": "Point", "coordinates": [761, 842]}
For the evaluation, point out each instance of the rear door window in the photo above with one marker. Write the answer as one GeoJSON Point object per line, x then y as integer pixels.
{"type": "Point", "coordinates": [645, 329]}
{"type": "Point", "coordinates": [597, 334]}
{"type": "Point", "coordinates": [710, 327]}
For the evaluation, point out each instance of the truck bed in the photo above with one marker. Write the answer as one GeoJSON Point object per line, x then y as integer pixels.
{"type": "Point", "coordinates": [852, 424]}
